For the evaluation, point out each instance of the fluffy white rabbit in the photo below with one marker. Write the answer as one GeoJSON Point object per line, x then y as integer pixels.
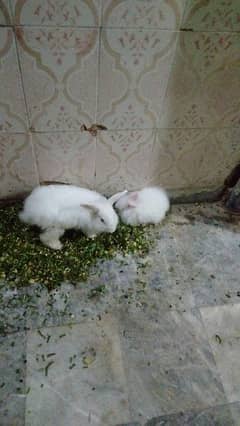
{"type": "Point", "coordinates": [55, 208]}
{"type": "Point", "coordinates": [148, 205]}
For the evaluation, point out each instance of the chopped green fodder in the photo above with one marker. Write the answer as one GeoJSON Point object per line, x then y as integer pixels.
{"type": "Point", "coordinates": [25, 261]}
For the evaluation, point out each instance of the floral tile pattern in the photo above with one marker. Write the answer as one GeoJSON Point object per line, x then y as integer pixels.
{"type": "Point", "coordinates": [66, 157]}
{"type": "Point", "coordinates": [17, 165]}
{"type": "Point", "coordinates": [71, 13]}
{"type": "Point", "coordinates": [123, 160]}
{"type": "Point", "coordinates": [12, 107]}
{"type": "Point", "coordinates": [59, 74]}
{"type": "Point", "coordinates": [134, 69]}
{"type": "Point", "coordinates": [143, 13]}
{"type": "Point", "coordinates": [204, 85]}
{"type": "Point", "coordinates": [194, 158]}
{"type": "Point", "coordinates": [168, 97]}
{"type": "Point", "coordinates": [212, 15]}
{"type": "Point", "coordinates": [5, 18]}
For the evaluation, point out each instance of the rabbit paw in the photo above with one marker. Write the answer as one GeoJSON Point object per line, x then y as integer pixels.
{"type": "Point", "coordinates": [55, 245]}
{"type": "Point", "coordinates": [92, 236]}
{"type": "Point", "coordinates": [50, 238]}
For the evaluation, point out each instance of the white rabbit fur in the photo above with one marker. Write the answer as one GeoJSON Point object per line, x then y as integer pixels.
{"type": "Point", "coordinates": [55, 208]}
{"type": "Point", "coordinates": [148, 205]}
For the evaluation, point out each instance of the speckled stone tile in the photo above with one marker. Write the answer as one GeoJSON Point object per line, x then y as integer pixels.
{"type": "Point", "coordinates": [235, 410]}
{"type": "Point", "coordinates": [223, 328]}
{"type": "Point", "coordinates": [152, 284]}
{"type": "Point", "coordinates": [155, 352]}
{"type": "Point", "coordinates": [129, 424]}
{"type": "Point", "coordinates": [76, 375]}
{"type": "Point", "coordinates": [12, 380]}
{"type": "Point", "coordinates": [182, 270]}
{"type": "Point", "coordinates": [214, 416]}
{"type": "Point", "coordinates": [168, 364]}
{"type": "Point", "coordinates": [209, 250]}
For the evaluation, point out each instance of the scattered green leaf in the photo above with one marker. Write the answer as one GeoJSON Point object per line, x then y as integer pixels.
{"type": "Point", "coordinates": [25, 261]}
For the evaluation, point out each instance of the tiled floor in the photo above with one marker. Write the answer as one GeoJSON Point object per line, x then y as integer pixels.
{"type": "Point", "coordinates": [160, 347]}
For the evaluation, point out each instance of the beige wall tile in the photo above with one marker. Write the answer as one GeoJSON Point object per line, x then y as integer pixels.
{"type": "Point", "coordinates": [12, 107]}
{"type": "Point", "coordinates": [17, 165]}
{"type": "Point", "coordinates": [213, 15]}
{"type": "Point", "coordinates": [66, 157]}
{"type": "Point", "coordinates": [59, 74]}
{"type": "Point", "coordinates": [123, 160]}
{"type": "Point", "coordinates": [194, 158]}
{"type": "Point", "coordinates": [204, 84]}
{"type": "Point", "coordinates": [161, 14]}
{"type": "Point", "coordinates": [69, 13]}
{"type": "Point", "coordinates": [146, 76]}
{"type": "Point", "coordinates": [5, 16]}
{"type": "Point", "coordinates": [134, 71]}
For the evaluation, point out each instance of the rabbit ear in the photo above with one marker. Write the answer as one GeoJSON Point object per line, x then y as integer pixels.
{"type": "Point", "coordinates": [91, 207]}
{"type": "Point", "coordinates": [114, 198]}
{"type": "Point", "coordinates": [132, 199]}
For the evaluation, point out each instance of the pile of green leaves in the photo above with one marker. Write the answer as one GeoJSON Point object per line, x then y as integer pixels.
{"type": "Point", "coordinates": [25, 261]}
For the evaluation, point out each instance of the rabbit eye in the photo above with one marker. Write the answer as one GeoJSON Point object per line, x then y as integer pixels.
{"type": "Point", "coordinates": [102, 220]}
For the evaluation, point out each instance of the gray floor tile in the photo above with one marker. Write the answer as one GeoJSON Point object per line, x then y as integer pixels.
{"type": "Point", "coordinates": [12, 380]}
{"type": "Point", "coordinates": [168, 364]}
{"type": "Point", "coordinates": [129, 345]}
{"type": "Point", "coordinates": [153, 283]}
{"type": "Point", "coordinates": [223, 328]}
{"type": "Point", "coordinates": [214, 416]}
{"type": "Point", "coordinates": [210, 257]}
{"type": "Point", "coordinates": [76, 376]}
{"type": "Point", "coordinates": [130, 424]}
{"type": "Point", "coordinates": [235, 410]}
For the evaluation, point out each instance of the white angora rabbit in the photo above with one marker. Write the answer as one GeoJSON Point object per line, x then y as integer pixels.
{"type": "Point", "coordinates": [148, 205]}
{"type": "Point", "coordinates": [55, 208]}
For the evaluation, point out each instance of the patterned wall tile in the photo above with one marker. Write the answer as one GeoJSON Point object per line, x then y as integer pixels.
{"type": "Point", "coordinates": [204, 84]}
{"type": "Point", "coordinates": [59, 74]}
{"type": "Point", "coordinates": [134, 70]}
{"type": "Point", "coordinates": [17, 164]}
{"type": "Point", "coordinates": [123, 160]}
{"type": "Point", "coordinates": [212, 15]}
{"type": "Point", "coordinates": [162, 14]}
{"type": "Point", "coordinates": [5, 16]}
{"type": "Point", "coordinates": [194, 158]}
{"type": "Point", "coordinates": [12, 107]}
{"type": "Point", "coordinates": [66, 157]}
{"type": "Point", "coordinates": [69, 13]}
